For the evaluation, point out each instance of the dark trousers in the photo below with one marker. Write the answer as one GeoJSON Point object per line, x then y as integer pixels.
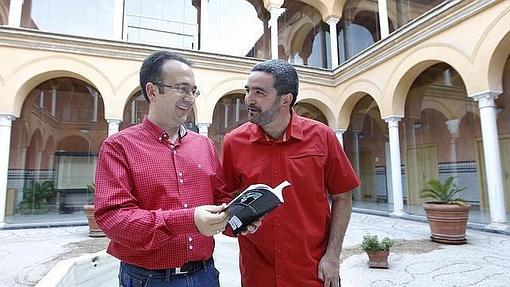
{"type": "Point", "coordinates": [134, 276]}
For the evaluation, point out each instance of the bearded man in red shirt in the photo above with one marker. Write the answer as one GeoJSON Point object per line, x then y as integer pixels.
{"type": "Point", "coordinates": [300, 242]}
{"type": "Point", "coordinates": [160, 188]}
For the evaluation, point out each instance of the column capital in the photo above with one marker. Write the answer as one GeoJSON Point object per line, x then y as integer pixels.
{"type": "Point", "coordinates": [203, 128]}
{"type": "Point", "coordinates": [453, 125]}
{"type": "Point", "coordinates": [332, 20]}
{"type": "Point", "coordinates": [393, 120]}
{"type": "Point", "coordinates": [6, 119]}
{"type": "Point", "coordinates": [339, 131]}
{"type": "Point", "coordinates": [486, 95]}
{"type": "Point", "coordinates": [276, 12]}
{"type": "Point", "coordinates": [271, 4]}
{"type": "Point", "coordinates": [113, 121]}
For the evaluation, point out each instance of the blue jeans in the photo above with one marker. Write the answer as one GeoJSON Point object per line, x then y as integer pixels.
{"type": "Point", "coordinates": [133, 276]}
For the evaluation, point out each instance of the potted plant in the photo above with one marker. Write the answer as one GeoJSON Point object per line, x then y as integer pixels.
{"type": "Point", "coordinates": [447, 213]}
{"type": "Point", "coordinates": [94, 230]}
{"type": "Point", "coordinates": [36, 196]}
{"type": "Point", "coordinates": [377, 250]}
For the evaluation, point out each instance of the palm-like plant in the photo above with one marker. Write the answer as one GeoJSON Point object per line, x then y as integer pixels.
{"type": "Point", "coordinates": [446, 192]}
{"type": "Point", "coordinates": [36, 196]}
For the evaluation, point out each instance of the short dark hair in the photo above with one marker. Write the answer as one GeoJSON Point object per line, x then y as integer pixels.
{"type": "Point", "coordinates": [286, 79]}
{"type": "Point", "coordinates": [151, 68]}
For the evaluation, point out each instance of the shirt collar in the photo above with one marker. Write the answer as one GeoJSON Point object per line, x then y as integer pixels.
{"type": "Point", "coordinates": [293, 131]}
{"type": "Point", "coordinates": [160, 134]}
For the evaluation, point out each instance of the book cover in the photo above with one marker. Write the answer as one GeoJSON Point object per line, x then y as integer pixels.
{"type": "Point", "coordinates": [254, 202]}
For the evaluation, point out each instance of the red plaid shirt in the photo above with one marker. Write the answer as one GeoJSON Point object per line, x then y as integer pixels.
{"type": "Point", "coordinates": [146, 192]}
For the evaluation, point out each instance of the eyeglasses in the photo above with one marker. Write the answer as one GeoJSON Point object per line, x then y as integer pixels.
{"type": "Point", "coordinates": [182, 90]}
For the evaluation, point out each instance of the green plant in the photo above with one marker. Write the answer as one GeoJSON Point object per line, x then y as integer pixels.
{"type": "Point", "coordinates": [91, 189]}
{"type": "Point", "coordinates": [36, 196]}
{"type": "Point", "coordinates": [446, 192]}
{"type": "Point", "coordinates": [371, 243]}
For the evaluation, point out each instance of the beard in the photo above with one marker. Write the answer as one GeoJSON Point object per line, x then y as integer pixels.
{"type": "Point", "coordinates": [263, 118]}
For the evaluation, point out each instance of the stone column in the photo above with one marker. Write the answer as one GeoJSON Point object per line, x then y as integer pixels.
{"type": "Point", "coordinates": [347, 39]}
{"type": "Point", "coordinates": [383, 18]}
{"type": "Point", "coordinates": [275, 12]}
{"type": "Point", "coordinates": [118, 19]}
{"type": "Point", "coordinates": [5, 143]}
{"type": "Point", "coordinates": [113, 126]}
{"type": "Point", "coordinates": [396, 175]}
{"type": "Point", "coordinates": [453, 129]}
{"type": "Point", "coordinates": [492, 158]}
{"type": "Point", "coordinates": [355, 162]}
{"type": "Point", "coordinates": [340, 136]}
{"type": "Point", "coordinates": [333, 39]}
{"type": "Point", "coordinates": [226, 106]}
{"type": "Point", "coordinates": [15, 9]}
{"type": "Point", "coordinates": [204, 16]}
{"type": "Point", "coordinates": [238, 110]}
{"type": "Point", "coordinates": [203, 129]}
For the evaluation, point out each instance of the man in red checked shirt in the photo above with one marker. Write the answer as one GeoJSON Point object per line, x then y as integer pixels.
{"type": "Point", "coordinates": [159, 187]}
{"type": "Point", "coordinates": [299, 243]}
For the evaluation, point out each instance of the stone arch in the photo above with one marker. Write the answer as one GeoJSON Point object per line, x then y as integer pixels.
{"type": "Point", "coordinates": [320, 6]}
{"type": "Point", "coordinates": [412, 65]}
{"type": "Point", "coordinates": [352, 94]}
{"type": "Point", "coordinates": [490, 56]}
{"type": "Point", "coordinates": [205, 105]}
{"type": "Point", "coordinates": [30, 74]}
{"type": "Point", "coordinates": [320, 100]}
{"type": "Point", "coordinates": [127, 87]}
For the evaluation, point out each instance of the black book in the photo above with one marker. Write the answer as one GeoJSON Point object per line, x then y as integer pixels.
{"type": "Point", "coordinates": [254, 202]}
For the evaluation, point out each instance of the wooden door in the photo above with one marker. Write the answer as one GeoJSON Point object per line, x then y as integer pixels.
{"type": "Point", "coordinates": [421, 165]}
{"type": "Point", "coordinates": [367, 175]}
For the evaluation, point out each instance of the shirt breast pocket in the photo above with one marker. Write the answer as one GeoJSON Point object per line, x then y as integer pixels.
{"type": "Point", "coordinates": [307, 164]}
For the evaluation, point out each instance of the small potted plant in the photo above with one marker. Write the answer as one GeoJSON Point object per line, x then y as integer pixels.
{"type": "Point", "coordinates": [377, 250]}
{"type": "Point", "coordinates": [94, 230]}
{"type": "Point", "coordinates": [447, 213]}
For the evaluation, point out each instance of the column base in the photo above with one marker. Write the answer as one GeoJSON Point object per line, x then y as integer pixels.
{"type": "Point", "coordinates": [398, 214]}
{"type": "Point", "coordinates": [498, 226]}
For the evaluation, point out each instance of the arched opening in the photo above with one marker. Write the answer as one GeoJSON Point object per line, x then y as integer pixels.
{"type": "Point", "coordinates": [440, 136]}
{"type": "Point", "coordinates": [54, 146]}
{"type": "Point", "coordinates": [366, 145]}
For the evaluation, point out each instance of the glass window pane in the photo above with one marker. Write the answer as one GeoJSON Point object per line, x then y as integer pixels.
{"type": "Point", "coordinates": [83, 18]}
{"type": "Point", "coordinates": [228, 36]}
{"type": "Point", "coordinates": [159, 22]}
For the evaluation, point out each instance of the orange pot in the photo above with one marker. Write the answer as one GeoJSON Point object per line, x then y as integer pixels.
{"type": "Point", "coordinates": [378, 259]}
{"type": "Point", "coordinates": [94, 230]}
{"type": "Point", "coordinates": [447, 222]}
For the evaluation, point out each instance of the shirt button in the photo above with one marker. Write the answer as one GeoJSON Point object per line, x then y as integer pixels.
{"type": "Point", "coordinates": [190, 247]}
{"type": "Point", "coordinates": [280, 276]}
{"type": "Point", "coordinates": [190, 239]}
{"type": "Point", "coordinates": [275, 172]}
{"type": "Point", "coordinates": [185, 205]}
{"type": "Point", "coordinates": [279, 251]}
{"type": "Point", "coordinates": [181, 180]}
{"type": "Point", "coordinates": [180, 174]}
{"type": "Point", "coordinates": [175, 152]}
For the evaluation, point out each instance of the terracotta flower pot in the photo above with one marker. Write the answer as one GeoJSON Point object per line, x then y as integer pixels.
{"type": "Point", "coordinates": [447, 222]}
{"type": "Point", "coordinates": [378, 259]}
{"type": "Point", "coordinates": [94, 230]}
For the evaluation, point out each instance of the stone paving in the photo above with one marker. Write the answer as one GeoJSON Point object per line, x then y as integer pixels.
{"type": "Point", "coordinates": [26, 255]}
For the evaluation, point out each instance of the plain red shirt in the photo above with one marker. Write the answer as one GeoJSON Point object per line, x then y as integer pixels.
{"type": "Point", "coordinates": [286, 249]}
{"type": "Point", "coordinates": [146, 192]}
